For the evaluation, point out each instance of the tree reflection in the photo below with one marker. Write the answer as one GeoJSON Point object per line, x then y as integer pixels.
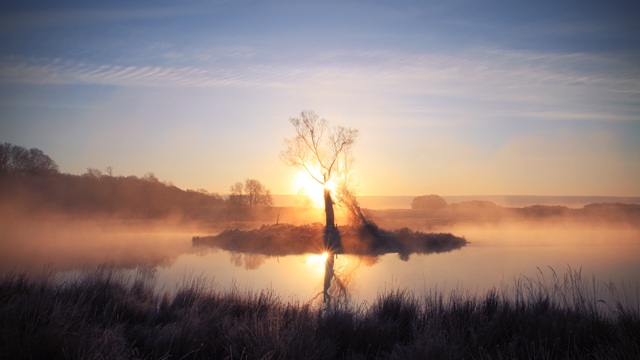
{"type": "Point", "coordinates": [328, 276]}
{"type": "Point", "coordinates": [247, 260]}
{"type": "Point", "coordinates": [337, 279]}
{"type": "Point", "coordinates": [336, 283]}
{"type": "Point", "coordinates": [355, 245]}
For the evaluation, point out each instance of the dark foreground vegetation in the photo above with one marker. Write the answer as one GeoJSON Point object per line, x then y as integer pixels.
{"type": "Point", "coordinates": [108, 314]}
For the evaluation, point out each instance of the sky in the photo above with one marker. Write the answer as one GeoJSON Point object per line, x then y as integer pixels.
{"type": "Point", "coordinates": [452, 97]}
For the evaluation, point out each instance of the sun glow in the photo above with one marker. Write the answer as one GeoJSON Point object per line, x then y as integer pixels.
{"type": "Point", "coordinates": [317, 261]}
{"type": "Point", "coordinates": [306, 186]}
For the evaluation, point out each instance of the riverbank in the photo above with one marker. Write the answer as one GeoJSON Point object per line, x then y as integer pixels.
{"type": "Point", "coordinates": [106, 313]}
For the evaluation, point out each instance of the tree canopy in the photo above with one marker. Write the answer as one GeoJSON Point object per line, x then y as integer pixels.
{"type": "Point", "coordinates": [323, 152]}
{"type": "Point", "coordinates": [251, 193]}
{"type": "Point", "coordinates": [15, 159]}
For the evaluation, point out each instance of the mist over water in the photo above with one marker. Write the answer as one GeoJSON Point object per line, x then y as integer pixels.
{"type": "Point", "coordinates": [497, 254]}
{"type": "Point", "coordinates": [63, 244]}
{"type": "Point", "coordinates": [65, 223]}
{"type": "Point", "coordinates": [496, 257]}
{"type": "Point", "coordinates": [404, 202]}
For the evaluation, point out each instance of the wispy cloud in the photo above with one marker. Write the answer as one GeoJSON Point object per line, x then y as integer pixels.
{"type": "Point", "coordinates": [68, 72]}
{"type": "Point", "coordinates": [539, 84]}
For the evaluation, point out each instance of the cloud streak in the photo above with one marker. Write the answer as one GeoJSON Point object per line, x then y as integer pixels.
{"type": "Point", "coordinates": [567, 84]}
{"type": "Point", "coordinates": [68, 72]}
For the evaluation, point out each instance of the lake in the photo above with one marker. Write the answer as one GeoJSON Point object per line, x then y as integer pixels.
{"type": "Point", "coordinates": [495, 256]}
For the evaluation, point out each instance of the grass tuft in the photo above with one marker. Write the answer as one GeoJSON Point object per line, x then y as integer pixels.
{"type": "Point", "coordinates": [109, 313]}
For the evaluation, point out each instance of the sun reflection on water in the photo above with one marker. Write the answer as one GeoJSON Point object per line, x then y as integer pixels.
{"type": "Point", "coordinates": [317, 261]}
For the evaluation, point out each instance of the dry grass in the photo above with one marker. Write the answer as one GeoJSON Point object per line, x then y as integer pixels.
{"type": "Point", "coordinates": [108, 314]}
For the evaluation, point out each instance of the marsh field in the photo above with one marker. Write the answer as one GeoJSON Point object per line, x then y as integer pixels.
{"type": "Point", "coordinates": [529, 282]}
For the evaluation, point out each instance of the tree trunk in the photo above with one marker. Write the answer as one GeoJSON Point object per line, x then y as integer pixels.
{"type": "Point", "coordinates": [332, 241]}
{"type": "Point", "coordinates": [328, 209]}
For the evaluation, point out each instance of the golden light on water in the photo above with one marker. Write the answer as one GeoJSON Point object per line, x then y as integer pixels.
{"type": "Point", "coordinates": [317, 261]}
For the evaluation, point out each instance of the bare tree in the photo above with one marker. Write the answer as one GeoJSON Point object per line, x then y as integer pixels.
{"type": "Point", "coordinates": [325, 154]}
{"type": "Point", "coordinates": [93, 173]}
{"type": "Point", "coordinates": [5, 158]}
{"type": "Point", "coordinates": [257, 194]}
{"type": "Point", "coordinates": [252, 193]}
{"type": "Point", "coordinates": [236, 197]}
{"type": "Point", "coordinates": [39, 162]}
{"type": "Point", "coordinates": [150, 177]}
{"type": "Point", "coordinates": [19, 159]}
{"type": "Point", "coordinates": [16, 159]}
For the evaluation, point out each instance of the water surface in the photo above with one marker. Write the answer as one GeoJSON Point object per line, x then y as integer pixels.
{"type": "Point", "coordinates": [495, 257]}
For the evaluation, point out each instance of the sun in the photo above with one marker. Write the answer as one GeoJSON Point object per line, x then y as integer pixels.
{"type": "Point", "coordinates": [307, 186]}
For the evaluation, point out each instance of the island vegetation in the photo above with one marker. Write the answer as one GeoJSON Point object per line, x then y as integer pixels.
{"type": "Point", "coordinates": [287, 239]}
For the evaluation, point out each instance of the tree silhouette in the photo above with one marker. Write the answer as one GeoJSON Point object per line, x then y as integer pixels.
{"type": "Point", "coordinates": [18, 160]}
{"type": "Point", "coordinates": [257, 194]}
{"type": "Point", "coordinates": [428, 202]}
{"type": "Point", "coordinates": [252, 193]}
{"type": "Point", "coordinates": [325, 154]}
{"type": "Point", "coordinates": [236, 196]}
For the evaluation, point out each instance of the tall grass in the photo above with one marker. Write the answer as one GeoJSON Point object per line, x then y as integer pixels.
{"type": "Point", "coordinates": [108, 313]}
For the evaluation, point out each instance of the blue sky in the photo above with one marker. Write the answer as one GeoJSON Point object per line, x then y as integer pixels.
{"type": "Point", "coordinates": [450, 97]}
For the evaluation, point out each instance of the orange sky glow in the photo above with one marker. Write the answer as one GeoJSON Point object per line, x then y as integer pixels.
{"type": "Point", "coordinates": [451, 98]}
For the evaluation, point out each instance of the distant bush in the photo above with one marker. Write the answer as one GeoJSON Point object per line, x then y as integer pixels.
{"type": "Point", "coordinates": [428, 202]}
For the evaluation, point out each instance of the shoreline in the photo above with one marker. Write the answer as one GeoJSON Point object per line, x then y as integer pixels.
{"type": "Point", "coordinates": [387, 202]}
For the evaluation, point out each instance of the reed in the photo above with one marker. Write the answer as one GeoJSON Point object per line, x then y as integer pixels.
{"type": "Point", "coordinates": [110, 313]}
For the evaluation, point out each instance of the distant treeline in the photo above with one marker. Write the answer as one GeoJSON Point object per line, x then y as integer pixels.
{"type": "Point", "coordinates": [30, 182]}
{"type": "Point", "coordinates": [18, 160]}
{"type": "Point", "coordinates": [433, 210]}
{"type": "Point", "coordinates": [87, 194]}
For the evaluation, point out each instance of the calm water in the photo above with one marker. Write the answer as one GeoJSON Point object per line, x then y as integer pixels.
{"type": "Point", "coordinates": [494, 258]}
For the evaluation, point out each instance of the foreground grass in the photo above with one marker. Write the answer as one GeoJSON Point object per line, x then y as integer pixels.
{"type": "Point", "coordinates": [108, 314]}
